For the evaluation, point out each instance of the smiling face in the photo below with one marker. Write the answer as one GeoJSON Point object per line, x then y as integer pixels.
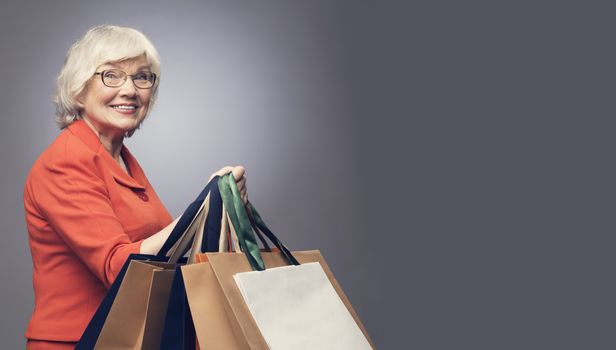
{"type": "Point", "coordinates": [115, 111]}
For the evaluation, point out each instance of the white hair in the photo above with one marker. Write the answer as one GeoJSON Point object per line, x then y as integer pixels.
{"type": "Point", "coordinates": [100, 45]}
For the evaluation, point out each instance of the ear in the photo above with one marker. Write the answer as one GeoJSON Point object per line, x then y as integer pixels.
{"type": "Point", "coordinates": [80, 98]}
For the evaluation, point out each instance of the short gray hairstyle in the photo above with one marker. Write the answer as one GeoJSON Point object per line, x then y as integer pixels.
{"type": "Point", "coordinates": [100, 45]}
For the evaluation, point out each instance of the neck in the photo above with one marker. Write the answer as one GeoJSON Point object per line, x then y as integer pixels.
{"type": "Point", "coordinates": [112, 143]}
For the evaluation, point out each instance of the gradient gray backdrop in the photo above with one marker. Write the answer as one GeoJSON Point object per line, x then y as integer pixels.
{"type": "Point", "coordinates": [452, 160]}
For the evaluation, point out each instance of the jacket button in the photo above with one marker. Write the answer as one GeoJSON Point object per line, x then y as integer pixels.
{"type": "Point", "coordinates": [144, 197]}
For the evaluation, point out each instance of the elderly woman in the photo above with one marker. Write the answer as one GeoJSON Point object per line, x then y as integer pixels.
{"type": "Point", "coordinates": [88, 203]}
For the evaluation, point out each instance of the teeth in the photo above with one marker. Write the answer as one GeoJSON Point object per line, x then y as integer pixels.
{"type": "Point", "coordinates": [124, 107]}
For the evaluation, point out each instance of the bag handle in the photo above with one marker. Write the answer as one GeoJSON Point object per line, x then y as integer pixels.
{"type": "Point", "coordinates": [203, 233]}
{"type": "Point", "coordinates": [214, 228]}
{"type": "Point", "coordinates": [185, 220]}
{"type": "Point", "coordinates": [256, 228]}
{"type": "Point", "coordinates": [240, 219]}
{"type": "Point", "coordinates": [241, 224]}
{"type": "Point", "coordinates": [211, 235]}
{"type": "Point", "coordinates": [261, 227]}
{"type": "Point", "coordinates": [214, 239]}
{"type": "Point", "coordinates": [195, 234]}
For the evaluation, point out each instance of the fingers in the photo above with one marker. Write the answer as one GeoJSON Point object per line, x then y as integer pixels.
{"type": "Point", "coordinates": [239, 176]}
{"type": "Point", "coordinates": [244, 192]}
{"type": "Point", "coordinates": [241, 183]}
{"type": "Point", "coordinates": [224, 170]}
{"type": "Point", "coordinates": [238, 172]}
{"type": "Point", "coordinates": [221, 172]}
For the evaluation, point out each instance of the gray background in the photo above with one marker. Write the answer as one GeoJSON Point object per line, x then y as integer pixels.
{"type": "Point", "coordinates": [452, 160]}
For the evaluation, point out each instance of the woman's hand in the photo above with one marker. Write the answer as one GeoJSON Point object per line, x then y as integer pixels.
{"type": "Point", "coordinates": [240, 178]}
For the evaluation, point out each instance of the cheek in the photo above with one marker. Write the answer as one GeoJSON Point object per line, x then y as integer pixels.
{"type": "Point", "coordinates": [146, 97]}
{"type": "Point", "coordinates": [99, 99]}
{"type": "Point", "coordinates": [105, 97]}
{"type": "Point", "coordinates": [145, 101]}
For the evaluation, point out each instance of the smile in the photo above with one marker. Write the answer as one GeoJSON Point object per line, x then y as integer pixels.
{"type": "Point", "coordinates": [125, 108]}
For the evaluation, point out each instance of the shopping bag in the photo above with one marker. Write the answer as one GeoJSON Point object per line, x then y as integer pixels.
{"type": "Point", "coordinates": [178, 331]}
{"type": "Point", "coordinates": [214, 328]}
{"type": "Point", "coordinates": [204, 295]}
{"type": "Point", "coordinates": [134, 320]}
{"type": "Point", "coordinates": [132, 314]}
{"type": "Point", "coordinates": [215, 280]}
{"type": "Point", "coordinates": [137, 316]}
{"type": "Point", "coordinates": [205, 299]}
{"type": "Point", "coordinates": [224, 266]}
{"type": "Point", "coordinates": [296, 307]}
{"type": "Point", "coordinates": [90, 336]}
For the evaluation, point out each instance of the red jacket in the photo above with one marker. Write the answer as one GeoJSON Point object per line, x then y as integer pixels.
{"type": "Point", "coordinates": [84, 215]}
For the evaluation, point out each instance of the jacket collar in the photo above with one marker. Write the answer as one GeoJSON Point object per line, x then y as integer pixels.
{"type": "Point", "coordinates": [82, 131]}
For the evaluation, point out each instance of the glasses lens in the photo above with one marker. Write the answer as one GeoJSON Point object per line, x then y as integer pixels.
{"type": "Point", "coordinates": [144, 80]}
{"type": "Point", "coordinates": [113, 77]}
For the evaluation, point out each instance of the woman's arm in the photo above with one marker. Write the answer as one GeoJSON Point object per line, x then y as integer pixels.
{"type": "Point", "coordinates": [152, 244]}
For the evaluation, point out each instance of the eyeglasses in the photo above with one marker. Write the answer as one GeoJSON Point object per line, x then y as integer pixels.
{"type": "Point", "coordinates": [116, 77]}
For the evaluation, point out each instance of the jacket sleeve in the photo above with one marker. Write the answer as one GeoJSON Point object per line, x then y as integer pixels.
{"type": "Point", "coordinates": [73, 198]}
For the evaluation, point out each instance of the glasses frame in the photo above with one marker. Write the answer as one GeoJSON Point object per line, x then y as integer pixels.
{"type": "Point", "coordinates": [126, 75]}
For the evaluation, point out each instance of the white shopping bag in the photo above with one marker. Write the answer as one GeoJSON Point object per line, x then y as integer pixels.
{"type": "Point", "coordinates": [296, 307]}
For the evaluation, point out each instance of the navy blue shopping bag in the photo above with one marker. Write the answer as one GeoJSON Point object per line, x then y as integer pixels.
{"type": "Point", "coordinates": [179, 331]}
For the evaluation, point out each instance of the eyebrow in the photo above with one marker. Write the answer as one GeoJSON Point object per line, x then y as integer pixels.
{"type": "Point", "coordinates": [147, 66]}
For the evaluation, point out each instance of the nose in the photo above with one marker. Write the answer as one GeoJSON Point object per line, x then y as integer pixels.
{"type": "Point", "coordinates": [128, 89]}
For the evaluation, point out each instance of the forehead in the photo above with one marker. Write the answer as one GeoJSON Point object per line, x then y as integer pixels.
{"type": "Point", "coordinates": [136, 63]}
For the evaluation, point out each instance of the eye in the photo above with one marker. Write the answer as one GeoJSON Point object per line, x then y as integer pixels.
{"type": "Point", "coordinates": [145, 76]}
{"type": "Point", "coordinates": [112, 74]}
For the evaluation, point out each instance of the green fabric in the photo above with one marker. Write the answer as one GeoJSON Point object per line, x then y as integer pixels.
{"type": "Point", "coordinates": [239, 218]}
{"type": "Point", "coordinates": [261, 225]}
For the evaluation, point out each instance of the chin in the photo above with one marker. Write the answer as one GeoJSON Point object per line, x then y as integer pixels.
{"type": "Point", "coordinates": [131, 132]}
{"type": "Point", "coordinates": [126, 126]}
